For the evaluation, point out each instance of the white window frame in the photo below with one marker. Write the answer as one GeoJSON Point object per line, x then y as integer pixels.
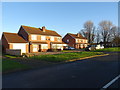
{"type": "Point", "coordinates": [35, 48]}
{"type": "Point", "coordinates": [33, 37]}
{"type": "Point", "coordinates": [52, 38]}
{"type": "Point", "coordinates": [76, 40]}
{"type": "Point", "coordinates": [58, 39]}
{"type": "Point", "coordinates": [44, 46]}
{"type": "Point", "coordinates": [43, 37]}
{"type": "Point", "coordinates": [68, 40]}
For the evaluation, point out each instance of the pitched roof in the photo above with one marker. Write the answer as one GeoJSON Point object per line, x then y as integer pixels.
{"type": "Point", "coordinates": [75, 36]}
{"type": "Point", "coordinates": [33, 30]}
{"type": "Point", "coordinates": [13, 38]}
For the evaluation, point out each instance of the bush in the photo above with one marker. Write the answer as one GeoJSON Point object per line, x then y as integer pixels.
{"type": "Point", "coordinates": [54, 50]}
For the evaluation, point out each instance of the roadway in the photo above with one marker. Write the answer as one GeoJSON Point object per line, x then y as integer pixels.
{"type": "Point", "coordinates": [89, 73]}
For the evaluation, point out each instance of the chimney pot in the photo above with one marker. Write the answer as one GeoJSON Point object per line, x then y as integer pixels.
{"type": "Point", "coordinates": [43, 28]}
{"type": "Point", "coordinates": [78, 34]}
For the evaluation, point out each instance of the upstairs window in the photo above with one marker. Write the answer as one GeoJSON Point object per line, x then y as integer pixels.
{"type": "Point", "coordinates": [81, 40]}
{"type": "Point", "coordinates": [67, 40]}
{"type": "Point", "coordinates": [43, 38]}
{"type": "Point", "coordinates": [52, 38]}
{"type": "Point", "coordinates": [59, 39]}
{"type": "Point", "coordinates": [34, 37]}
{"type": "Point", "coordinates": [77, 40]}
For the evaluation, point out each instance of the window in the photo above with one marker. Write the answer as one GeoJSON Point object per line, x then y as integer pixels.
{"type": "Point", "coordinates": [67, 40]}
{"type": "Point", "coordinates": [44, 46]}
{"type": "Point", "coordinates": [58, 39]}
{"type": "Point", "coordinates": [34, 37]}
{"type": "Point", "coordinates": [52, 38]}
{"type": "Point", "coordinates": [35, 48]}
{"type": "Point", "coordinates": [43, 38]}
{"type": "Point", "coordinates": [76, 40]}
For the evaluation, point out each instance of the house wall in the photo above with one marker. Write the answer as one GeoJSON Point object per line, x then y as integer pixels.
{"type": "Point", "coordinates": [47, 40]}
{"type": "Point", "coordinates": [76, 43]}
{"type": "Point", "coordinates": [23, 34]}
{"type": "Point", "coordinates": [28, 37]}
{"type": "Point", "coordinates": [71, 40]}
{"type": "Point", "coordinates": [10, 46]}
{"type": "Point", "coordinates": [81, 43]}
{"type": "Point", "coordinates": [5, 44]}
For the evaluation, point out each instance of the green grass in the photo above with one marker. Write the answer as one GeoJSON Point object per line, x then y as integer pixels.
{"type": "Point", "coordinates": [9, 65]}
{"type": "Point", "coordinates": [66, 50]}
{"type": "Point", "coordinates": [10, 56]}
{"type": "Point", "coordinates": [65, 56]}
{"type": "Point", "coordinates": [114, 49]}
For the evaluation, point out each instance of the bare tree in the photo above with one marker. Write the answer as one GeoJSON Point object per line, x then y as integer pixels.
{"type": "Point", "coordinates": [115, 35]}
{"type": "Point", "coordinates": [97, 36]}
{"type": "Point", "coordinates": [105, 28]}
{"type": "Point", "coordinates": [88, 31]}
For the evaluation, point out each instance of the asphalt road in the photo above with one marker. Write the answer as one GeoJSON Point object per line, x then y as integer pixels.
{"type": "Point", "coordinates": [89, 73]}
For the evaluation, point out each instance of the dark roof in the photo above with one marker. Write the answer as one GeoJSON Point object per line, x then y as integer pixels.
{"type": "Point", "coordinates": [33, 30]}
{"type": "Point", "coordinates": [75, 36]}
{"type": "Point", "coordinates": [13, 38]}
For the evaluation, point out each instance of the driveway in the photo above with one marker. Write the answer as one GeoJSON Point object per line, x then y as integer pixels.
{"type": "Point", "coordinates": [90, 73]}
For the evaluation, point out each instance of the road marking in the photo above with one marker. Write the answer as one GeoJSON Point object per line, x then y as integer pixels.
{"type": "Point", "coordinates": [72, 60]}
{"type": "Point", "coordinates": [111, 82]}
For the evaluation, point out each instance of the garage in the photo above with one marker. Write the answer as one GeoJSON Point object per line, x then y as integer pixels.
{"type": "Point", "coordinates": [20, 46]}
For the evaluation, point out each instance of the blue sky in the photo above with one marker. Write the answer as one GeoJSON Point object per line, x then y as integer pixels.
{"type": "Point", "coordinates": [63, 17]}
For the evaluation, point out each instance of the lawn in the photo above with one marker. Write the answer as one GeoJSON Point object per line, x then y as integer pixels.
{"type": "Point", "coordinates": [65, 56]}
{"type": "Point", "coordinates": [10, 65]}
{"type": "Point", "coordinates": [114, 49]}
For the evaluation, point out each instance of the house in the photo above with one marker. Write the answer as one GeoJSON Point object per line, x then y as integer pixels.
{"type": "Point", "coordinates": [75, 40]}
{"type": "Point", "coordinates": [31, 39]}
{"type": "Point", "coordinates": [96, 45]}
{"type": "Point", "coordinates": [12, 41]}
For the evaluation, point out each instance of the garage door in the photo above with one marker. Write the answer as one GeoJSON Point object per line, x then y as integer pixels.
{"type": "Point", "coordinates": [20, 46]}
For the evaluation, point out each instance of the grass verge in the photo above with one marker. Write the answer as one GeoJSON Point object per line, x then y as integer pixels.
{"type": "Point", "coordinates": [10, 65]}
{"type": "Point", "coordinates": [114, 49]}
{"type": "Point", "coordinates": [65, 56]}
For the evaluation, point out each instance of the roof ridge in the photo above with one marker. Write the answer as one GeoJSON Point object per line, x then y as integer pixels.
{"type": "Point", "coordinates": [28, 26]}
{"type": "Point", "coordinates": [9, 33]}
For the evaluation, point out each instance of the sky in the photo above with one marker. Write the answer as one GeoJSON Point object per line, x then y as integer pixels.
{"type": "Point", "coordinates": [62, 17]}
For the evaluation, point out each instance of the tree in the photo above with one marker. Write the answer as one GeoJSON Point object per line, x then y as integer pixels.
{"type": "Point", "coordinates": [97, 36]}
{"type": "Point", "coordinates": [88, 31]}
{"type": "Point", "coordinates": [105, 27]}
{"type": "Point", "coordinates": [115, 35]}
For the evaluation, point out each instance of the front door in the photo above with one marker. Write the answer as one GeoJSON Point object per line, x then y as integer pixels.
{"type": "Point", "coordinates": [39, 48]}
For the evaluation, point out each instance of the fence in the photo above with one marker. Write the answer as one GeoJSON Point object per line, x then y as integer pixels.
{"type": "Point", "coordinates": [14, 52]}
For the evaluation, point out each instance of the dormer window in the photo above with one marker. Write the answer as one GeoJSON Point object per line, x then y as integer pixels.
{"type": "Point", "coordinates": [34, 37]}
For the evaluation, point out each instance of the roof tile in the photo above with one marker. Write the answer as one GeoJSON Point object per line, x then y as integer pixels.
{"type": "Point", "coordinates": [13, 38]}
{"type": "Point", "coordinates": [75, 36]}
{"type": "Point", "coordinates": [33, 30]}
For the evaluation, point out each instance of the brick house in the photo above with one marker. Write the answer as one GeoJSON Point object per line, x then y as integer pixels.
{"type": "Point", "coordinates": [75, 40]}
{"type": "Point", "coordinates": [31, 39]}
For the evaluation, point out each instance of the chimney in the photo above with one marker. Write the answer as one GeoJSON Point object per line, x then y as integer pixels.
{"type": "Point", "coordinates": [43, 28]}
{"type": "Point", "coordinates": [78, 34]}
